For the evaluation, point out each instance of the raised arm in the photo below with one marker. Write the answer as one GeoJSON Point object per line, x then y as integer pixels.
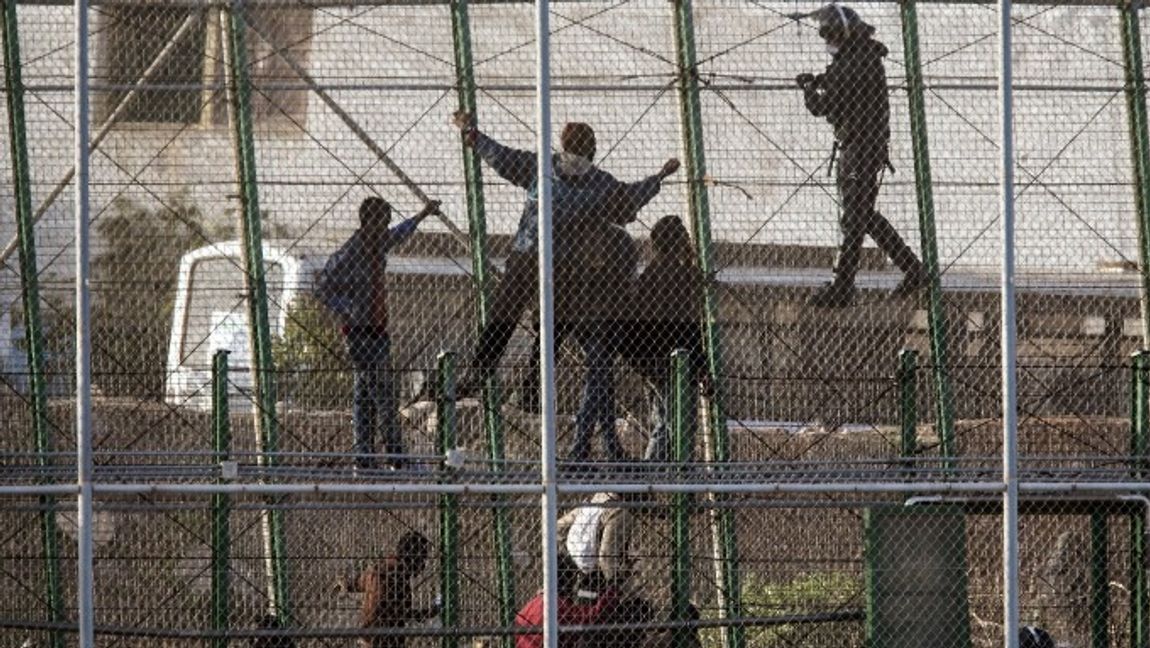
{"type": "Point", "coordinates": [513, 165]}
{"type": "Point", "coordinates": [397, 234]}
{"type": "Point", "coordinates": [629, 198]}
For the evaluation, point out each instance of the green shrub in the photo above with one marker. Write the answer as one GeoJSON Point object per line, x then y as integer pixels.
{"type": "Point", "coordinates": [809, 594]}
{"type": "Point", "coordinates": [310, 358]}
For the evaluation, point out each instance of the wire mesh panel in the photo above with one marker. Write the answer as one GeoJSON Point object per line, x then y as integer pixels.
{"type": "Point", "coordinates": [195, 569]}
{"type": "Point", "coordinates": [776, 253]}
{"type": "Point", "coordinates": [235, 150]}
{"type": "Point", "coordinates": [1067, 205]}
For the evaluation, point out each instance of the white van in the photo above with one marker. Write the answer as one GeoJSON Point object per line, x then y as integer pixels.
{"type": "Point", "coordinates": [211, 313]}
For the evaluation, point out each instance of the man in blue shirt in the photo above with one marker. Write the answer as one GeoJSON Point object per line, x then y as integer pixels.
{"type": "Point", "coordinates": [353, 285]}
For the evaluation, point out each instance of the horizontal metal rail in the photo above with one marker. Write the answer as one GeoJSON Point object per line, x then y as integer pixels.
{"type": "Point", "coordinates": [1116, 488]}
{"type": "Point", "coordinates": [845, 616]}
{"type": "Point", "coordinates": [560, 87]}
{"type": "Point", "coordinates": [290, 4]}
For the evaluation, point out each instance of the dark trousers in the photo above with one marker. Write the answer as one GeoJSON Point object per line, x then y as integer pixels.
{"type": "Point", "coordinates": [859, 178]}
{"type": "Point", "coordinates": [512, 297]}
{"type": "Point", "coordinates": [599, 340]}
{"type": "Point", "coordinates": [373, 399]}
{"type": "Point", "coordinates": [647, 349]}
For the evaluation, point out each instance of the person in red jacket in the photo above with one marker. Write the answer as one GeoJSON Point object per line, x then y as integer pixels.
{"type": "Point", "coordinates": [572, 609]}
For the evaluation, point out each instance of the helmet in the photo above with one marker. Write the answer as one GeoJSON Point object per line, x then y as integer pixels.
{"type": "Point", "coordinates": [837, 22]}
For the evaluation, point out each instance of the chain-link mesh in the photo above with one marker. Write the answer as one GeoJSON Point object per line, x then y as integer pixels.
{"type": "Point", "coordinates": [776, 248]}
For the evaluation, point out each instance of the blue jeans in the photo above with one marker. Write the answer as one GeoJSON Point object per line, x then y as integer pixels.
{"type": "Point", "coordinates": [373, 398]}
{"type": "Point", "coordinates": [597, 405]}
{"type": "Point", "coordinates": [660, 395]}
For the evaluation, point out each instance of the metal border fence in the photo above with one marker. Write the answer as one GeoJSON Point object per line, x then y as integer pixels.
{"type": "Point", "coordinates": [1009, 484]}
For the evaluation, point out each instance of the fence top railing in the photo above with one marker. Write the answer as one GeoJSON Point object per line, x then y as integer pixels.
{"type": "Point", "coordinates": [1116, 489]}
{"type": "Point", "coordinates": [404, 3]}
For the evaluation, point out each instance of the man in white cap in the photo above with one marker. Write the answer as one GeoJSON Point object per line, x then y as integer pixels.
{"type": "Point", "coordinates": [596, 535]}
{"type": "Point", "coordinates": [852, 95]}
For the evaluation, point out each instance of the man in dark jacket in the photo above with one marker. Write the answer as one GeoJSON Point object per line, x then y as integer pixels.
{"type": "Point", "coordinates": [580, 190]}
{"type": "Point", "coordinates": [1033, 637]}
{"type": "Point", "coordinates": [852, 95]}
{"type": "Point", "coordinates": [353, 285]}
{"type": "Point", "coordinates": [593, 301]}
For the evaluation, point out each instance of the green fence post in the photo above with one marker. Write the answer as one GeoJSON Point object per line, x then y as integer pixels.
{"type": "Point", "coordinates": [1139, 436]}
{"type": "Point", "coordinates": [30, 299]}
{"type": "Point", "coordinates": [221, 502]}
{"type": "Point", "coordinates": [681, 520]}
{"type": "Point", "coordinates": [691, 117]}
{"type": "Point", "coordinates": [908, 406]}
{"type": "Point", "coordinates": [477, 229]}
{"type": "Point", "coordinates": [239, 88]}
{"type": "Point", "coordinates": [924, 194]}
{"type": "Point", "coordinates": [445, 425]}
{"type": "Point", "coordinates": [1139, 145]}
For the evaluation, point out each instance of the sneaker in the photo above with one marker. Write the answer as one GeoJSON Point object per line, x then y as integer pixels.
{"type": "Point", "coordinates": [911, 283]}
{"type": "Point", "coordinates": [833, 294]}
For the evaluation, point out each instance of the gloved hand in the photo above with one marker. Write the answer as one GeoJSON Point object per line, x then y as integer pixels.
{"type": "Point", "coordinates": [805, 79]}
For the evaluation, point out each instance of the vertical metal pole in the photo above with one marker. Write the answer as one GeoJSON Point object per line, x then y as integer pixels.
{"type": "Point", "coordinates": [30, 298]}
{"type": "Point", "coordinates": [1139, 601]}
{"type": "Point", "coordinates": [1139, 145]}
{"type": "Point", "coordinates": [477, 230]}
{"type": "Point", "coordinates": [924, 194]}
{"type": "Point", "coordinates": [255, 281]}
{"type": "Point", "coordinates": [550, 499]}
{"type": "Point", "coordinates": [1009, 387]}
{"type": "Point", "coordinates": [1099, 581]}
{"type": "Point", "coordinates": [699, 211]}
{"type": "Point", "coordinates": [472, 167]}
{"type": "Point", "coordinates": [221, 502]}
{"type": "Point", "coordinates": [908, 406]}
{"type": "Point", "coordinates": [1139, 442]}
{"type": "Point", "coordinates": [681, 521]}
{"type": "Point", "coordinates": [448, 502]}
{"type": "Point", "coordinates": [1140, 153]}
{"type": "Point", "coordinates": [85, 564]}
{"type": "Point", "coordinates": [713, 515]}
